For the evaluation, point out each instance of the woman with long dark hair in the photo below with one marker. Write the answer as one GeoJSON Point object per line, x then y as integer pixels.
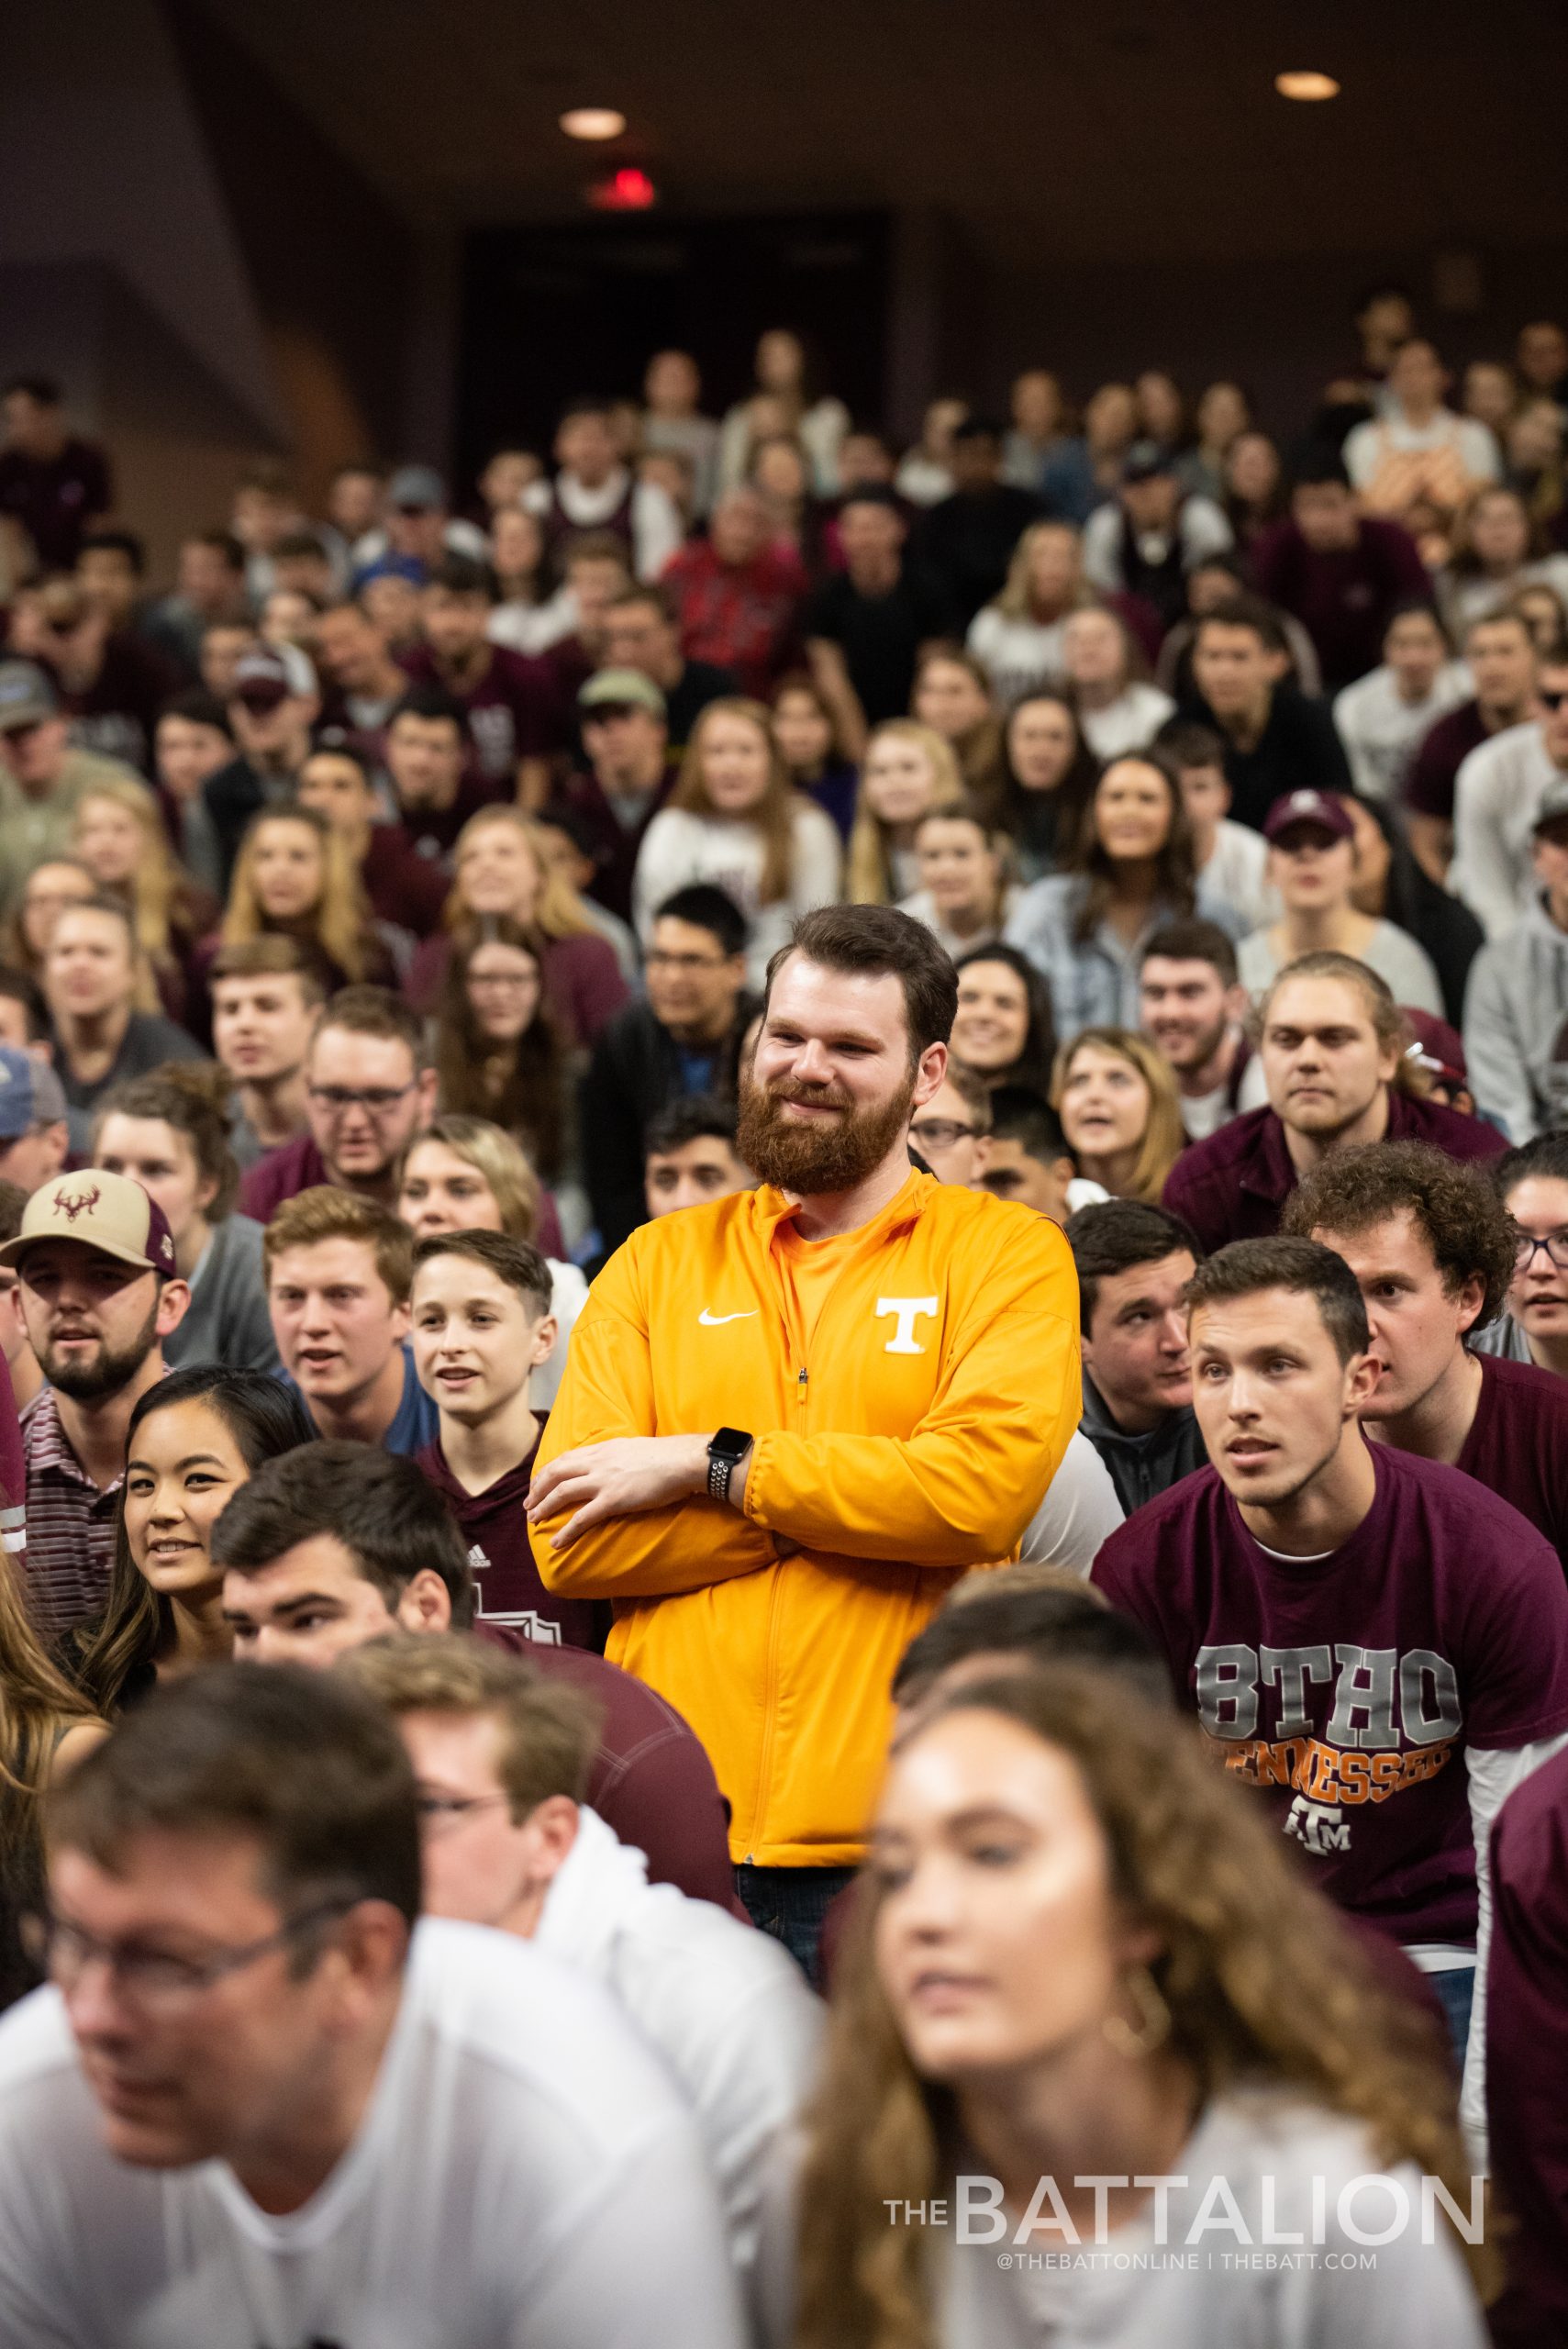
{"type": "Point", "coordinates": [1048, 773]}
{"type": "Point", "coordinates": [1001, 1029]}
{"type": "Point", "coordinates": [498, 1050]}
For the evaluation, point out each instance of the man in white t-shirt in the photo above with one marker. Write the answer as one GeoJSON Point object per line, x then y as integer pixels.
{"type": "Point", "coordinates": [257, 2106]}
{"type": "Point", "coordinates": [1496, 798]}
{"type": "Point", "coordinates": [1384, 718]}
{"type": "Point", "coordinates": [1418, 451]}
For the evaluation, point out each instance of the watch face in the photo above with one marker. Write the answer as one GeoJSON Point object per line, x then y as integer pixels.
{"type": "Point", "coordinates": [730, 1444]}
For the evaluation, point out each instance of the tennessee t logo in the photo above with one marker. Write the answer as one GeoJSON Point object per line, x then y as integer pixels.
{"type": "Point", "coordinates": [907, 1311]}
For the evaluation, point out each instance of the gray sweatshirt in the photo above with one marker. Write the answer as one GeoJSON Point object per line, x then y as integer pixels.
{"type": "Point", "coordinates": [228, 1321]}
{"type": "Point", "coordinates": [1515, 1010]}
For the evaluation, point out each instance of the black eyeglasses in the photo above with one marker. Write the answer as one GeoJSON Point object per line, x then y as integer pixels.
{"type": "Point", "coordinates": [940, 1133]}
{"type": "Point", "coordinates": [1555, 1244]}
{"type": "Point", "coordinates": [156, 1980]}
{"type": "Point", "coordinates": [375, 1101]}
{"type": "Point", "coordinates": [1550, 700]}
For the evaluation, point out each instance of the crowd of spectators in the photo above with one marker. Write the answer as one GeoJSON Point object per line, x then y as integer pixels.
{"type": "Point", "coordinates": [1077, 906]}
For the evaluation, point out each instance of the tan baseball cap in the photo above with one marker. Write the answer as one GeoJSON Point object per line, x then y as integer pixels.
{"type": "Point", "coordinates": [103, 1210]}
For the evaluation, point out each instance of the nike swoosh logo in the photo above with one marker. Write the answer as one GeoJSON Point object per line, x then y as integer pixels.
{"type": "Point", "coordinates": [716, 1320]}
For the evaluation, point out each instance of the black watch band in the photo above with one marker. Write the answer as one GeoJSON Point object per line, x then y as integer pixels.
{"type": "Point", "coordinates": [724, 1454]}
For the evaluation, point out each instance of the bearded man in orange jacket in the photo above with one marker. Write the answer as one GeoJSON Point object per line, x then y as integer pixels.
{"type": "Point", "coordinates": [792, 1418]}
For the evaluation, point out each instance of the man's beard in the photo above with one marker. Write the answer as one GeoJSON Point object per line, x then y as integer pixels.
{"type": "Point", "coordinates": [1204, 1045]}
{"type": "Point", "coordinates": [106, 1371]}
{"type": "Point", "coordinates": [812, 1157]}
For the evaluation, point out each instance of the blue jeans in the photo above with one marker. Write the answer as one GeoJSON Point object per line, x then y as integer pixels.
{"type": "Point", "coordinates": [791, 1903]}
{"type": "Point", "coordinates": [1454, 1991]}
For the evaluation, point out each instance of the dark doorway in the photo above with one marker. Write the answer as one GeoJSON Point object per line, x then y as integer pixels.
{"type": "Point", "coordinates": [552, 313]}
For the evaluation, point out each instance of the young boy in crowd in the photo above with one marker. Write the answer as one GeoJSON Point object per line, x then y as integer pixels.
{"type": "Point", "coordinates": [481, 1325]}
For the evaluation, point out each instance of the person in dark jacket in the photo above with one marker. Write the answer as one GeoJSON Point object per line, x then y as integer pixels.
{"type": "Point", "coordinates": [270, 722]}
{"type": "Point", "coordinates": [1276, 740]}
{"type": "Point", "coordinates": [684, 1039]}
{"type": "Point", "coordinates": [1134, 1262]}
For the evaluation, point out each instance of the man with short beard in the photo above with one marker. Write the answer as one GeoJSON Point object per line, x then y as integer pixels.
{"type": "Point", "coordinates": [1191, 1007]}
{"type": "Point", "coordinates": [902, 1357]}
{"type": "Point", "coordinates": [99, 1293]}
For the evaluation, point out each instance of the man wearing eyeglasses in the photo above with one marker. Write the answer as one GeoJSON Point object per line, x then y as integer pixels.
{"type": "Point", "coordinates": [947, 1133]}
{"type": "Point", "coordinates": [263, 2100]}
{"type": "Point", "coordinates": [367, 1091]}
{"type": "Point", "coordinates": [683, 1041]}
{"type": "Point", "coordinates": [1498, 794]}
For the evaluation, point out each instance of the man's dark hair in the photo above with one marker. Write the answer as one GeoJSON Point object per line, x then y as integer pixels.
{"type": "Point", "coordinates": [124, 542]}
{"type": "Point", "coordinates": [1319, 466]}
{"type": "Point", "coordinates": [1184, 742]}
{"type": "Point", "coordinates": [1420, 607]}
{"type": "Point", "coordinates": [378, 1011]}
{"type": "Point", "coordinates": [460, 575]}
{"type": "Point", "coordinates": [1192, 941]}
{"type": "Point", "coordinates": [871, 940]}
{"type": "Point", "coordinates": [43, 389]}
{"type": "Point", "coordinates": [1248, 1267]}
{"type": "Point", "coordinates": [296, 546]}
{"type": "Point", "coordinates": [309, 1768]}
{"type": "Point", "coordinates": [693, 1118]}
{"type": "Point", "coordinates": [587, 404]}
{"type": "Point", "coordinates": [1453, 1205]}
{"type": "Point", "coordinates": [13, 1200]}
{"type": "Point", "coordinates": [1545, 1154]}
{"type": "Point", "coordinates": [429, 702]}
{"type": "Point", "coordinates": [199, 708]}
{"type": "Point", "coordinates": [1500, 615]}
{"type": "Point", "coordinates": [872, 493]}
{"type": "Point", "coordinates": [648, 593]}
{"type": "Point", "coordinates": [19, 987]}
{"type": "Point", "coordinates": [709, 908]}
{"type": "Point", "coordinates": [219, 541]}
{"type": "Point", "coordinates": [1245, 611]}
{"type": "Point", "coordinates": [1053, 1626]}
{"type": "Point", "coordinates": [387, 1515]}
{"type": "Point", "coordinates": [1021, 1114]}
{"type": "Point", "coordinates": [1114, 1235]}
{"type": "Point", "coordinates": [517, 1262]}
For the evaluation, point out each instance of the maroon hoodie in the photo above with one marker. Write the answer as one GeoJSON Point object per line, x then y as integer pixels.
{"type": "Point", "coordinates": [508, 1592]}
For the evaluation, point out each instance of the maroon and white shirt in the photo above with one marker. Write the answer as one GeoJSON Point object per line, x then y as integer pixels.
{"type": "Point", "coordinates": [71, 1525]}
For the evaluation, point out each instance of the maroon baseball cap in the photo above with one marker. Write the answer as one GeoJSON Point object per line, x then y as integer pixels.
{"type": "Point", "coordinates": [1319, 807]}
{"type": "Point", "coordinates": [1437, 1047]}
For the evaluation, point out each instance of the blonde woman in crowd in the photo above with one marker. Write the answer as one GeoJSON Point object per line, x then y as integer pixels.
{"type": "Point", "coordinates": [952, 697]}
{"type": "Point", "coordinates": [295, 878]}
{"type": "Point", "coordinates": [909, 771]}
{"type": "Point", "coordinates": [118, 835]}
{"type": "Point", "coordinates": [1120, 1109]}
{"type": "Point", "coordinates": [1019, 639]}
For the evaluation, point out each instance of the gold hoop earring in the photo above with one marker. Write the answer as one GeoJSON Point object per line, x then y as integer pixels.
{"type": "Point", "coordinates": [1154, 2017]}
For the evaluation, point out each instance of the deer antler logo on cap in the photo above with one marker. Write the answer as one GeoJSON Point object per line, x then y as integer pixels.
{"type": "Point", "coordinates": [70, 1204]}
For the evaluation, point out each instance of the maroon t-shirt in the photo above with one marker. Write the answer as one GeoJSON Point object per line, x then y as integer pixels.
{"type": "Point", "coordinates": [1348, 1688]}
{"type": "Point", "coordinates": [509, 709]}
{"type": "Point", "coordinates": [403, 886]}
{"type": "Point", "coordinates": [505, 1579]}
{"type": "Point", "coordinates": [1526, 2054]}
{"type": "Point", "coordinates": [1518, 1445]}
{"type": "Point", "coordinates": [282, 1173]}
{"type": "Point", "coordinates": [1429, 786]}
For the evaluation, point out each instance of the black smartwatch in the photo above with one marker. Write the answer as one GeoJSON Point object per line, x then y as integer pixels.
{"type": "Point", "coordinates": [724, 1454]}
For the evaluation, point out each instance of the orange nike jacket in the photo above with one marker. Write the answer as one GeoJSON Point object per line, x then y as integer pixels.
{"type": "Point", "coordinates": [914, 1438]}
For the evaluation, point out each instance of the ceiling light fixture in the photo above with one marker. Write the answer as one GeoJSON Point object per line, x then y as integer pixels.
{"type": "Point", "coordinates": [1308, 88]}
{"type": "Point", "coordinates": [592, 122]}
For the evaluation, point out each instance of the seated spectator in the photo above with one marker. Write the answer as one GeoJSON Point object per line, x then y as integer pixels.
{"type": "Point", "coordinates": [1342, 572]}
{"type": "Point", "coordinates": [1029, 1159]}
{"type": "Point", "coordinates": [1118, 709]}
{"type": "Point", "coordinates": [1222, 413]}
{"type": "Point", "coordinates": [865, 626]}
{"type": "Point", "coordinates": [723, 2006]}
{"type": "Point", "coordinates": [1312, 868]}
{"type": "Point", "coordinates": [43, 776]}
{"type": "Point", "coordinates": [405, 893]}
{"type": "Point", "coordinates": [34, 1133]}
{"type": "Point", "coordinates": [592, 490]}
{"type": "Point", "coordinates": [339, 1270]}
{"type": "Point", "coordinates": [1298, 1520]}
{"type": "Point", "coordinates": [265, 1004]}
{"type": "Point", "coordinates": [192, 742]}
{"type": "Point", "coordinates": [1131, 869]}
{"type": "Point", "coordinates": [169, 1132]}
{"type": "Point", "coordinates": [53, 483]}
{"type": "Point", "coordinates": [1254, 497]}
{"type": "Point", "coordinates": [500, 868]}
{"type": "Point", "coordinates": [1518, 1005]}
{"type": "Point", "coordinates": [952, 697]}
{"type": "Point", "coordinates": [434, 790]}
{"type": "Point", "coordinates": [1081, 472]}
{"type": "Point", "coordinates": [1497, 794]}
{"type": "Point", "coordinates": [418, 531]}
{"type": "Point", "coordinates": [191, 1441]}
{"type": "Point", "coordinates": [909, 771]}
{"type": "Point", "coordinates": [1219, 579]}
{"type": "Point", "coordinates": [1384, 717]}
{"type": "Point", "coordinates": [1433, 1252]}
{"type": "Point", "coordinates": [672, 419]}
{"type": "Point", "coordinates": [1147, 540]}
{"type": "Point", "coordinates": [1047, 781]}
{"type": "Point", "coordinates": [209, 588]}
{"type": "Point", "coordinates": [1501, 660]}
{"type": "Point", "coordinates": [1545, 614]}
{"type": "Point", "coordinates": [736, 596]}
{"type": "Point", "coordinates": [1002, 1028]}
{"type": "Point", "coordinates": [225, 644]}
{"type": "Point", "coordinates": [482, 1326]}
{"type": "Point", "coordinates": [229, 1799]}
{"type": "Point", "coordinates": [627, 779]}
{"type": "Point", "coordinates": [1119, 1111]}
{"type": "Point", "coordinates": [270, 719]}
{"type": "Point", "coordinates": [570, 850]}
{"type": "Point", "coordinates": [966, 539]}
{"type": "Point", "coordinates": [1134, 1261]}
{"type": "Point", "coordinates": [924, 476]}
{"type": "Point", "coordinates": [806, 736]}
{"type": "Point", "coordinates": [502, 696]}
{"type": "Point", "coordinates": [97, 1306]}
{"type": "Point", "coordinates": [1334, 1052]}
{"type": "Point", "coordinates": [119, 837]}
{"type": "Point", "coordinates": [964, 896]}
{"type": "Point", "coordinates": [92, 974]}
{"type": "Point", "coordinates": [683, 1037]}
{"type": "Point", "coordinates": [1498, 550]}
{"type": "Point", "coordinates": [1192, 1007]}
{"type": "Point", "coordinates": [49, 888]}
{"type": "Point", "coordinates": [1230, 860]}
{"type": "Point", "coordinates": [1017, 637]}
{"type": "Point", "coordinates": [497, 1047]}
{"type": "Point", "coordinates": [950, 1130]}
{"type": "Point", "coordinates": [690, 1157]}
{"type": "Point", "coordinates": [1275, 741]}
{"type": "Point", "coordinates": [294, 878]}
{"type": "Point", "coordinates": [1018, 1618]}
{"type": "Point", "coordinates": [1532, 1183]}
{"type": "Point", "coordinates": [733, 820]}
{"type": "Point", "coordinates": [1416, 451]}
{"type": "Point", "coordinates": [1038, 415]}
{"type": "Point", "coordinates": [111, 683]}
{"type": "Point", "coordinates": [531, 614]}
{"type": "Point", "coordinates": [364, 684]}
{"type": "Point", "coordinates": [641, 633]}
{"type": "Point", "coordinates": [367, 1091]}
{"type": "Point", "coordinates": [1271, 2093]}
